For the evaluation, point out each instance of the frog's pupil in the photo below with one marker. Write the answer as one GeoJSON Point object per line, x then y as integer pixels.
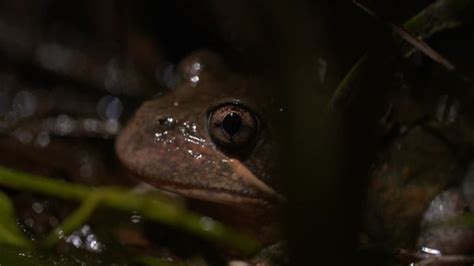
{"type": "Point", "coordinates": [232, 123]}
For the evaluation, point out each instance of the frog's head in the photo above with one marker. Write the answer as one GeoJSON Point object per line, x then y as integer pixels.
{"type": "Point", "coordinates": [213, 138]}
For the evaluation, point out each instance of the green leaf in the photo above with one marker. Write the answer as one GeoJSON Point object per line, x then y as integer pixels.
{"type": "Point", "coordinates": [10, 233]}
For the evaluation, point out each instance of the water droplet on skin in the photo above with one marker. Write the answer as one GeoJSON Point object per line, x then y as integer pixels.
{"type": "Point", "coordinates": [167, 122]}
{"type": "Point", "coordinates": [195, 155]}
{"type": "Point", "coordinates": [196, 68]}
{"type": "Point", "coordinates": [194, 139]}
{"type": "Point", "coordinates": [161, 136]}
{"type": "Point", "coordinates": [194, 80]}
{"type": "Point", "coordinates": [186, 129]}
{"type": "Point", "coordinates": [189, 131]}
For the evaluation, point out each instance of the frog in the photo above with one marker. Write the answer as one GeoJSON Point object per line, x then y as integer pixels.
{"type": "Point", "coordinates": [416, 206]}
{"type": "Point", "coordinates": [213, 138]}
{"type": "Point", "coordinates": [403, 182]}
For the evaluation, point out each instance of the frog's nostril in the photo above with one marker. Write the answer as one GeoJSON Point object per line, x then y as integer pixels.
{"type": "Point", "coordinates": [166, 121]}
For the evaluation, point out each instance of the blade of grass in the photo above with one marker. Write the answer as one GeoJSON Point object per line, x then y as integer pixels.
{"type": "Point", "coordinates": [9, 231]}
{"type": "Point", "coordinates": [438, 16]}
{"type": "Point", "coordinates": [152, 208]}
{"type": "Point", "coordinates": [411, 39]}
{"type": "Point", "coordinates": [75, 220]}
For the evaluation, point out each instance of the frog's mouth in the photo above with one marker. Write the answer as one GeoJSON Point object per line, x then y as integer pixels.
{"type": "Point", "coordinates": [228, 182]}
{"type": "Point", "coordinates": [223, 197]}
{"type": "Point", "coordinates": [254, 192]}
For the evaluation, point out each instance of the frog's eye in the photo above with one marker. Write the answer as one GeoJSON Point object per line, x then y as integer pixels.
{"type": "Point", "coordinates": [233, 125]}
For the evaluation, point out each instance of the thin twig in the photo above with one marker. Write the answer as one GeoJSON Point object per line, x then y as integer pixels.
{"type": "Point", "coordinates": [410, 38]}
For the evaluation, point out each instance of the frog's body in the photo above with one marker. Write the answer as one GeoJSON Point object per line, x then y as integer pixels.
{"type": "Point", "coordinates": [170, 144]}
{"type": "Point", "coordinates": [417, 192]}
{"type": "Point", "coordinates": [406, 180]}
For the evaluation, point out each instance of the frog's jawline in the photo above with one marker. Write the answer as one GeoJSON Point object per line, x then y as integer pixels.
{"type": "Point", "coordinates": [219, 196]}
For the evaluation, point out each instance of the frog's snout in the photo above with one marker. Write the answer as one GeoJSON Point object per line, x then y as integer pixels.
{"type": "Point", "coordinates": [175, 156]}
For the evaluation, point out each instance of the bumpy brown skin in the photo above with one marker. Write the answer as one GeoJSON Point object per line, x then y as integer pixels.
{"type": "Point", "coordinates": [167, 142]}
{"type": "Point", "coordinates": [404, 183]}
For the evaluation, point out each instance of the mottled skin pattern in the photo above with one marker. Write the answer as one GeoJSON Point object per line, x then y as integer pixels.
{"type": "Point", "coordinates": [404, 183]}
{"type": "Point", "coordinates": [167, 142]}
{"type": "Point", "coordinates": [418, 196]}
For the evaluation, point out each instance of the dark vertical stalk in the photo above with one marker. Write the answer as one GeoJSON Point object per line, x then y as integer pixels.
{"type": "Point", "coordinates": [324, 204]}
